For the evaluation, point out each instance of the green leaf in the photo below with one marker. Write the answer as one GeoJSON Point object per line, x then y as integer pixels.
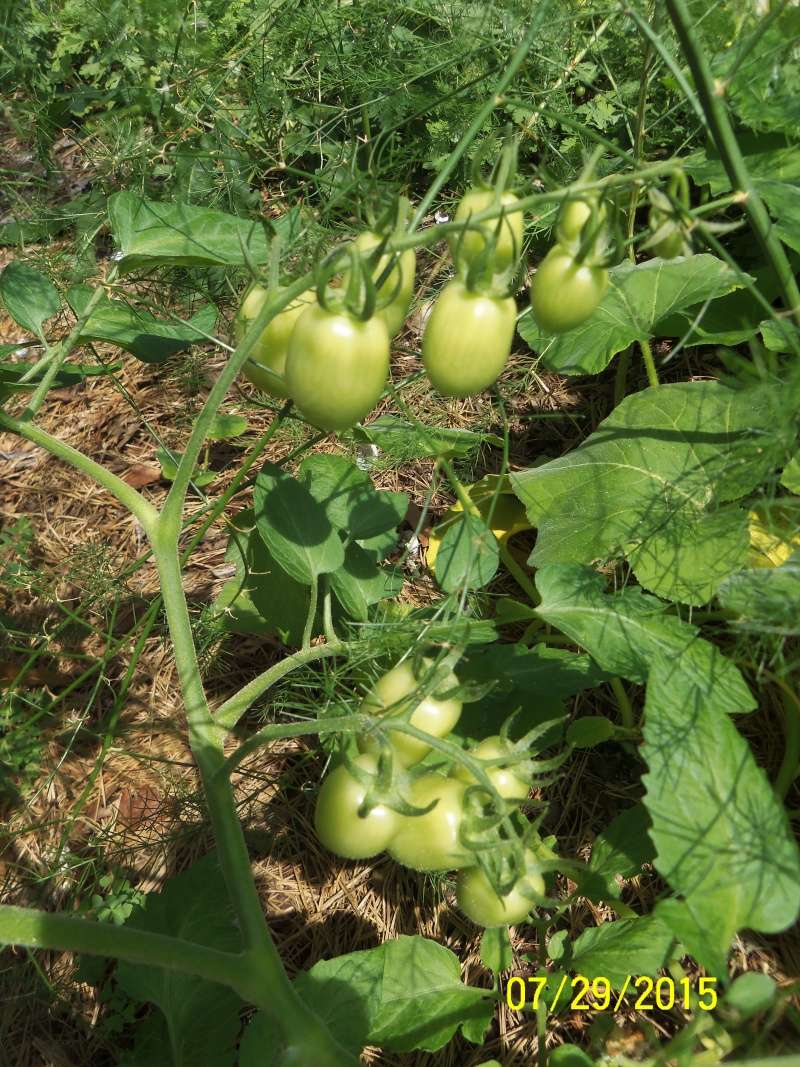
{"type": "Point", "coordinates": [569, 1056]}
{"type": "Point", "coordinates": [765, 598]}
{"type": "Point", "coordinates": [202, 1017]}
{"type": "Point", "coordinates": [615, 950]}
{"type": "Point", "coordinates": [704, 936]}
{"type": "Point", "coordinates": [722, 838]}
{"type": "Point", "coordinates": [468, 555]}
{"type": "Point", "coordinates": [496, 952]}
{"type": "Point", "coordinates": [169, 461]}
{"type": "Point", "coordinates": [626, 631]}
{"type": "Point", "coordinates": [780, 336]}
{"type": "Point", "coordinates": [621, 849]}
{"type": "Point", "coordinates": [405, 995]}
{"type": "Point", "coordinates": [351, 501]}
{"type": "Point", "coordinates": [68, 374]}
{"type": "Point", "coordinates": [224, 427]}
{"type": "Point", "coordinates": [261, 598]}
{"type": "Point", "coordinates": [751, 993]}
{"type": "Point", "coordinates": [149, 233]}
{"type": "Point", "coordinates": [638, 297]}
{"type": "Point", "coordinates": [295, 527]}
{"type": "Point", "coordinates": [150, 339]}
{"type": "Point", "coordinates": [589, 731]}
{"type": "Point", "coordinates": [650, 483]}
{"type": "Point", "coordinates": [535, 680]}
{"type": "Point", "coordinates": [30, 298]}
{"type": "Point", "coordinates": [360, 582]}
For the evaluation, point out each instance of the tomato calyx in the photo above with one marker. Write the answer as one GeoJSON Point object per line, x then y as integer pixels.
{"type": "Point", "coordinates": [669, 223]}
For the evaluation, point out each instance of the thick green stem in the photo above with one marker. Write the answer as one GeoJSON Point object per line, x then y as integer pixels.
{"type": "Point", "coordinates": [229, 713]}
{"type": "Point", "coordinates": [649, 362]}
{"type": "Point", "coordinates": [65, 933]}
{"type": "Point", "coordinates": [140, 508]}
{"type": "Point", "coordinates": [710, 93]}
{"type": "Point", "coordinates": [340, 724]}
{"type": "Point", "coordinates": [623, 703]}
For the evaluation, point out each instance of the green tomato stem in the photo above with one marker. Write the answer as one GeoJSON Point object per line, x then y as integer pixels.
{"type": "Point", "coordinates": [136, 504]}
{"type": "Point", "coordinates": [229, 713]}
{"type": "Point", "coordinates": [345, 724]}
{"type": "Point", "coordinates": [649, 363]}
{"type": "Point", "coordinates": [65, 933]}
{"type": "Point", "coordinates": [710, 94]}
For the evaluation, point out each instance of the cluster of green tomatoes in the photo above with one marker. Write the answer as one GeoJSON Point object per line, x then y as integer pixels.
{"type": "Point", "coordinates": [329, 350]}
{"type": "Point", "coordinates": [381, 799]}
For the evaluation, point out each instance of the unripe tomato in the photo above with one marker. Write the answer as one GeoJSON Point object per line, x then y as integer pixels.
{"type": "Point", "coordinates": [572, 218]}
{"type": "Point", "coordinates": [467, 339]}
{"type": "Point", "coordinates": [431, 714]}
{"type": "Point", "coordinates": [431, 842]}
{"type": "Point", "coordinates": [400, 281]}
{"type": "Point", "coordinates": [509, 782]}
{"type": "Point", "coordinates": [672, 244]}
{"type": "Point", "coordinates": [508, 244]}
{"type": "Point", "coordinates": [266, 364]}
{"type": "Point", "coordinates": [478, 900]}
{"type": "Point", "coordinates": [339, 826]}
{"type": "Point", "coordinates": [337, 366]}
{"type": "Point", "coordinates": [565, 293]}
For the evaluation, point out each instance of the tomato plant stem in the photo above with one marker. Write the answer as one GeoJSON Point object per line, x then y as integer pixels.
{"type": "Point", "coordinates": [649, 363]}
{"type": "Point", "coordinates": [229, 713]}
{"type": "Point", "coordinates": [623, 703]}
{"type": "Point", "coordinates": [344, 724]}
{"type": "Point", "coordinates": [711, 96]}
{"type": "Point", "coordinates": [140, 508]}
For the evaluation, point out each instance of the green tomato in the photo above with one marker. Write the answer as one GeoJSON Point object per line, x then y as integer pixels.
{"type": "Point", "coordinates": [510, 783]}
{"type": "Point", "coordinates": [431, 842]}
{"type": "Point", "coordinates": [400, 281]}
{"type": "Point", "coordinates": [672, 244]}
{"type": "Point", "coordinates": [339, 826]}
{"type": "Point", "coordinates": [478, 900]}
{"type": "Point", "coordinates": [565, 293]}
{"type": "Point", "coordinates": [392, 694]}
{"type": "Point", "coordinates": [266, 364]}
{"type": "Point", "coordinates": [572, 218]}
{"type": "Point", "coordinates": [508, 241]}
{"type": "Point", "coordinates": [337, 366]}
{"type": "Point", "coordinates": [467, 339]}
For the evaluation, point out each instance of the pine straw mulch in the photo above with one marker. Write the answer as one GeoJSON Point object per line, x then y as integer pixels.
{"type": "Point", "coordinates": [129, 801]}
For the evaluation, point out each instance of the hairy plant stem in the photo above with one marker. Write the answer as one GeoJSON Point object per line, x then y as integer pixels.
{"type": "Point", "coordinates": [41, 929]}
{"type": "Point", "coordinates": [229, 713]}
{"type": "Point", "coordinates": [140, 508]}
{"type": "Point", "coordinates": [711, 95]}
{"type": "Point", "coordinates": [340, 724]}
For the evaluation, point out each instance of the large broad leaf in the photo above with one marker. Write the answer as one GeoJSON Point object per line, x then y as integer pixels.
{"type": "Point", "coordinates": [360, 582]}
{"type": "Point", "coordinates": [639, 295]}
{"type": "Point", "coordinates": [351, 502]}
{"type": "Point", "coordinates": [627, 630]}
{"type": "Point", "coordinates": [30, 298]}
{"type": "Point", "coordinates": [261, 598]}
{"type": "Point", "coordinates": [650, 483]}
{"type": "Point", "coordinates": [617, 949]}
{"type": "Point", "coordinates": [150, 339]}
{"type": "Point", "coordinates": [149, 233]}
{"type": "Point", "coordinates": [765, 598]}
{"type": "Point", "coordinates": [723, 842]}
{"type": "Point", "coordinates": [407, 994]}
{"type": "Point", "coordinates": [295, 527]}
{"type": "Point", "coordinates": [533, 681]}
{"type": "Point", "coordinates": [468, 555]}
{"type": "Point", "coordinates": [202, 1018]}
